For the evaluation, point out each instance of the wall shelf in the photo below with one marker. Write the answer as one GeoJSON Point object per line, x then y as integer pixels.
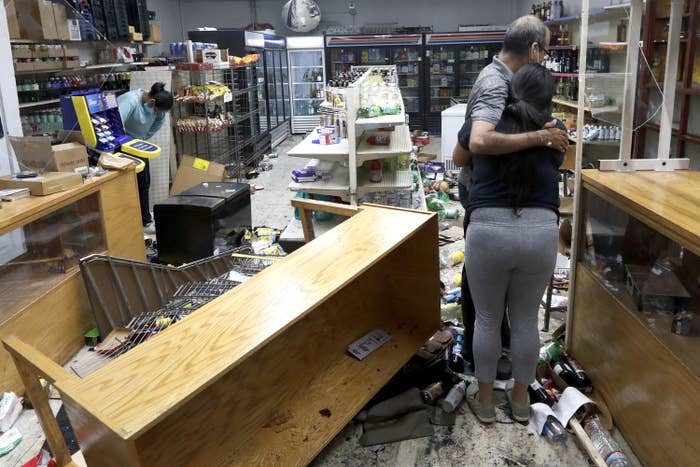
{"type": "Point", "coordinates": [79, 69]}
{"type": "Point", "coordinates": [28, 105]}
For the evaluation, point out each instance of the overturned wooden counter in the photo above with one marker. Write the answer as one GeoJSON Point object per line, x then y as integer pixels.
{"type": "Point", "coordinates": [262, 375]}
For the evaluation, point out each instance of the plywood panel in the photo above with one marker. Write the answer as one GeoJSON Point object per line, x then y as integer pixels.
{"type": "Point", "coordinates": [55, 322]}
{"type": "Point", "coordinates": [245, 379]}
{"type": "Point", "coordinates": [653, 397]}
{"type": "Point", "coordinates": [54, 325]}
{"type": "Point", "coordinates": [122, 219]}
{"type": "Point", "coordinates": [666, 201]}
{"type": "Point", "coordinates": [142, 385]}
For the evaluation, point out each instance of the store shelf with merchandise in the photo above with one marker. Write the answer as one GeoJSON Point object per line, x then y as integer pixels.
{"type": "Point", "coordinates": [350, 177]}
{"type": "Point", "coordinates": [336, 185]}
{"type": "Point", "coordinates": [605, 68]}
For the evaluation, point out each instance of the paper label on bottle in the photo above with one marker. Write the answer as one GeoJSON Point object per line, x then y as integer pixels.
{"type": "Point", "coordinates": [228, 97]}
{"type": "Point", "coordinates": [200, 164]}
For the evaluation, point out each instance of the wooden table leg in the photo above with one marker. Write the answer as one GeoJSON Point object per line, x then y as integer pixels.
{"type": "Point", "coordinates": [22, 355]}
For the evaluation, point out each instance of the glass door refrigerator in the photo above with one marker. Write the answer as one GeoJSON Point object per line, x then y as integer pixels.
{"type": "Point", "coordinates": [308, 77]}
{"type": "Point", "coordinates": [453, 62]}
{"type": "Point", "coordinates": [277, 88]}
{"type": "Point", "coordinates": [403, 50]}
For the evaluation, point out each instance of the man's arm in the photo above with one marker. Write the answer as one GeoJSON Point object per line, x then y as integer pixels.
{"type": "Point", "coordinates": [461, 156]}
{"type": "Point", "coordinates": [485, 140]}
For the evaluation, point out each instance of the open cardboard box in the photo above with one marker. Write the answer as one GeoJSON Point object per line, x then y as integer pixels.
{"type": "Point", "coordinates": [193, 171]}
{"type": "Point", "coordinates": [36, 153]}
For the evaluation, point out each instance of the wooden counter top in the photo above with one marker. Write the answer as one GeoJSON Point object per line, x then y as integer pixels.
{"type": "Point", "coordinates": [148, 383]}
{"type": "Point", "coordinates": [17, 213]}
{"type": "Point", "coordinates": [667, 201]}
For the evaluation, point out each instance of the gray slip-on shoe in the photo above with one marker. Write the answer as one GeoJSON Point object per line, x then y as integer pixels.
{"type": "Point", "coordinates": [485, 413]}
{"type": "Point", "coordinates": [521, 413]}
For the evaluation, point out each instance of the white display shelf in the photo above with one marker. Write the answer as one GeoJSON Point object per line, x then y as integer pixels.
{"type": "Point", "coordinates": [384, 120]}
{"type": "Point", "coordinates": [391, 181]}
{"type": "Point", "coordinates": [400, 144]}
{"type": "Point", "coordinates": [331, 152]}
{"type": "Point", "coordinates": [337, 185]}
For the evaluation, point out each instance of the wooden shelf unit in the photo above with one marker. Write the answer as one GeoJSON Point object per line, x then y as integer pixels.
{"type": "Point", "coordinates": [261, 375]}
{"type": "Point", "coordinates": [648, 376]}
{"type": "Point", "coordinates": [54, 313]}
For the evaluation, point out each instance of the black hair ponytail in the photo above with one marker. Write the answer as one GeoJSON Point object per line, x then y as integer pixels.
{"type": "Point", "coordinates": [531, 90]}
{"type": "Point", "coordinates": [163, 98]}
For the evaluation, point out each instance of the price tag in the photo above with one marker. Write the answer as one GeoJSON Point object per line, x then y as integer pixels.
{"type": "Point", "coordinates": [200, 164]}
{"type": "Point", "coordinates": [228, 97]}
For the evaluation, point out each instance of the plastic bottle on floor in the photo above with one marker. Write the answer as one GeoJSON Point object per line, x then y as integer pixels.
{"type": "Point", "coordinates": [604, 443]}
{"type": "Point", "coordinates": [454, 397]}
{"type": "Point", "coordinates": [554, 431]}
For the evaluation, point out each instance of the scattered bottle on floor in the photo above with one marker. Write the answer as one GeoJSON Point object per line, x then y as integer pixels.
{"type": "Point", "coordinates": [456, 359]}
{"type": "Point", "coordinates": [604, 443]}
{"type": "Point", "coordinates": [553, 430]}
{"type": "Point", "coordinates": [432, 392]}
{"type": "Point", "coordinates": [539, 394]}
{"type": "Point", "coordinates": [550, 352]}
{"type": "Point", "coordinates": [454, 397]}
{"type": "Point", "coordinates": [582, 379]}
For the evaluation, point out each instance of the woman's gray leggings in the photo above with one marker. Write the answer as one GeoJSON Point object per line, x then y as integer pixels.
{"type": "Point", "coordinates": [510, 259]}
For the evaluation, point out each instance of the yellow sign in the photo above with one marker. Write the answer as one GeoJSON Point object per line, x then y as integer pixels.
{"type": "Point", "coordinates": [200, 164]}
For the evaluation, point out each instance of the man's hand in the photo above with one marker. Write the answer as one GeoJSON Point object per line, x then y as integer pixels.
{"type": "Point", "coordinates": [552, 137]}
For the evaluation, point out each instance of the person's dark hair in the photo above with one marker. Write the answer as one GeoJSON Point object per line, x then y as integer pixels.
{"type": "Point", "coordinates": [163, 98]}
{"type": "Point", "coordinates": [522, 33]}
{"type": "Point", "coordinates": [531, 92]}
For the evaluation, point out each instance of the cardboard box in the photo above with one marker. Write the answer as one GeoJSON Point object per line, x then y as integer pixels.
{"type": "Point", "coordinates": [193, 171]}
{"type": "Point", "coordinates": [47, 65]}
{"type": "Point", "coordinates": [214, 56]}
{"type": "Point", "coordinates": [36, 19]}
{"type": "Point", "coordinates": [68, 157]}
{"type": "Point", "coordinates": [155, 32]}
{"type": "Point", "coordinates": [24, 66]}
{"type": "Point", "coordinates": [12, 23]}
{"type": "Point", "coordinates": [71, 64]}
{"type": "Point", "coordinates": [137, 37]}
{"type": "Point", "coordinates": [60, 17]}
{"type": "Point", "coordinates": [36, 153]}
{"type": "Point", "coordinates": [68, 52]}
{"type": "Point", "coordinates": [22, 52]}
{"type": "Point", "coordinates": [41, 51]}
{"type": "Point", "coordinates": [56, 51]}
{"type": "Point", "coordinates": [45, 184]}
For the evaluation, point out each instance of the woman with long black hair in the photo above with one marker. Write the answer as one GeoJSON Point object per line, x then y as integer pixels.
{"type": "Point", "coordinates": [511, 242]}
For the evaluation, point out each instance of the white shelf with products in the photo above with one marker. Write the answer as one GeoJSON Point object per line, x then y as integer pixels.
{"type": "Point", "coordinates": [399, 144]}
{"type": "Point", "coordinates": [336, 185]}
{"type": "Point", "coordinates": [391, 181]}
{"type": "Point", "coordinates": [332, 152]}
{"type": "Point", "coordinates": [351, 179]}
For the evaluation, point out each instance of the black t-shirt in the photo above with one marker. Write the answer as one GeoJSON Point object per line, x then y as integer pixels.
{"type": "Point", "coordinates": [488, 189]}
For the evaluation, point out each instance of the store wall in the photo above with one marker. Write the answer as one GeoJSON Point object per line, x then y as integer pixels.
{"type": "Point", "coordinates": [177, 17]}
{"type": "Point", "coordinates": [9, 104]}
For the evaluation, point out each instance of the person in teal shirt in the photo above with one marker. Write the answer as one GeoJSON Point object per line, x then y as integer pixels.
{"type": "Point", "coordinates": [143, 113]}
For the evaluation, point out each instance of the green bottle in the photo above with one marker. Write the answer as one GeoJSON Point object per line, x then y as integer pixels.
{"type": "Point", "coordinates": [551, 352]}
